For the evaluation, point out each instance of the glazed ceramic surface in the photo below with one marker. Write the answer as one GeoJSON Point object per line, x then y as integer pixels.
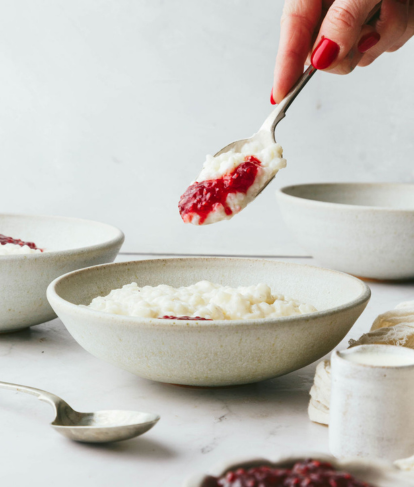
{"type": "Point", "coordinates": [377, 474]}
{"type": "Point", "coordinates": [210, 353]}
{"type": "Point", "coordinates": [364, 229]}
{"type": "Point", "coordinates": [71, 244]}
{"type": "Point", "coordinates": [371, 411]}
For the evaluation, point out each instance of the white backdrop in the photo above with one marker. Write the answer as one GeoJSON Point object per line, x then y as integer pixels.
{"type": "Point", "coordinates": [108, 107]}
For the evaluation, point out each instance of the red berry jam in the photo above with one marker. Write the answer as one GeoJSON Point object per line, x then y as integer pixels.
{"type": "Point", "coordinates": [309, 473]}
{"type": "Point", "coordinates": [198, 318]}
{"type": "Point", "coordinates": [16, 241]}
{"type": "Point", "coordinates": [207, 196]}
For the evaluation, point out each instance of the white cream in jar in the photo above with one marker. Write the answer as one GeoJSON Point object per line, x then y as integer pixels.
{"type": "Point", "coordinates": [379, 359]}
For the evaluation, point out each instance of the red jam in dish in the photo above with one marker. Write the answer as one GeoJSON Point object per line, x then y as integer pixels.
{"type": "Point", "coordinates": [309, 473]}
{"type": "Point", "coordinates": [198, 318]}
{"type": "Point", "coordinates": [16, 241]}
{"type": "Point", "coordinates": [203, 198]}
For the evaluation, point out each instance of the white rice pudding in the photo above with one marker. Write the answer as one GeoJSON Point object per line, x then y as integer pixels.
{"type": "Point", "coordinates": [204, 300]}
{"type": "Point", "coordinates": [214, 168]}
{"type": "Point", "coordinates": [14, 249]}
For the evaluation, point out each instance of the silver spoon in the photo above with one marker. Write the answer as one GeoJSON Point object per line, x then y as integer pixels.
{"type": "Point", "coordinates": [266, 133]}
{"type": "Point", "coordinates": [98, 427]}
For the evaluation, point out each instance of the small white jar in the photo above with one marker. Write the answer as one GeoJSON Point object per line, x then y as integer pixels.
{"type": "Point", "coordinates": [372, 402]}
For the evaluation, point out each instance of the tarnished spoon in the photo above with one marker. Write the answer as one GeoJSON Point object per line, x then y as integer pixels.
{"type": "Point", "coordinates": [98, 427]}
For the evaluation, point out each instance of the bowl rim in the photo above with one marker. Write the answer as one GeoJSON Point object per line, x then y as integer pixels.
{"type": "Point", "coordinates": [118, 238]}
{"type": "Point", "coordinates": [283, 193]}
{"type": "Point", "coordinates": [381, 467]}
{"type": "Point", "coordinates": [132, 321]}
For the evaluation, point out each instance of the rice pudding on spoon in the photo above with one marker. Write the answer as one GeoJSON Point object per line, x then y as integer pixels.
{"type": "Point", "coordinates": [229, 182]}
{"type": "Point", "coordinates": [239, 172]}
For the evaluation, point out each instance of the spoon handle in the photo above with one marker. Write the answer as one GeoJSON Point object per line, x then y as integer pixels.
{"type": "Point", "coordinates": [53, 400]}
{"type": "Point", "coordinates": [280, 111]}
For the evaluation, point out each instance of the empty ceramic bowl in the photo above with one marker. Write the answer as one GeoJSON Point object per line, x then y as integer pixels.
{"type": "Point", "coordinates": [210, 353]}
{"type": "Point", "coordinates": [375, 473]}
{"type": "Point", "coordinates": [69, 244]}
{"type": "Point", "coordinates": [364, 229]}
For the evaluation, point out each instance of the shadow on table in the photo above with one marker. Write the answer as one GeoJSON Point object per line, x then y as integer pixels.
{"type": "Point", "coordinates": [145, 448]}
{"type": "Point", "coordinates": [52, 333]}
{"type": "Point", "coordinates": [267, 399]}
{"type": "Point", "coordinates": [297, 381]}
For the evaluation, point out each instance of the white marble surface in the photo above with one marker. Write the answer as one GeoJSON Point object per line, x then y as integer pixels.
{"type": "Point", "coordinates": [198, 427]}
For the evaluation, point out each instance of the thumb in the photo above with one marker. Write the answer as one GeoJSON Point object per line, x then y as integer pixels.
{"type": "Point", "coordinates": [339, 33]}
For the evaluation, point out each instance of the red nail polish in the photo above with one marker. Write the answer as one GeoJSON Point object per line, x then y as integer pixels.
{"type": "Point", "coordinates": [272, 100]}
{"type": "Point", "coordinates": [324, 53]}
{"type": "Point", "coordinates": [368, 41]}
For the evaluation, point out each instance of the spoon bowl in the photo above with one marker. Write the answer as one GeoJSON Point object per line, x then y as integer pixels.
{"type": "Point", "coordinates": [97, 427]}
{"type": "Point", "coordinates": [105, 426]}
{"type": "Point", "coordinates": [266, 134]}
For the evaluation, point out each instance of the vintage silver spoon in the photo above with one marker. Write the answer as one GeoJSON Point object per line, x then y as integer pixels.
{"type": "Point", "coordinates": [266, 133]}
{"type": "Point", "coordinates": [98, 427]}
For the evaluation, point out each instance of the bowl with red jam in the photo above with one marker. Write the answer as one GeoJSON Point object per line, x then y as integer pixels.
{"type": "Point", "coordinates": [34, 250]}
{"type": "Point", "coordinates": [303, 471]}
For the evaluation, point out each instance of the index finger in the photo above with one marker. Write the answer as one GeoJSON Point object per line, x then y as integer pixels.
{"type": "Point", "coordinates": [299, 20]}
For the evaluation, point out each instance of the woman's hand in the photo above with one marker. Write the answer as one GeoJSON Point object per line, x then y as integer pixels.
{"type": "Point", "coordinates": [333, 35]}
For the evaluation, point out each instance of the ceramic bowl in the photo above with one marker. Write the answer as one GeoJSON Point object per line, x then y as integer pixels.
{"type": "Point", "coordinates": [375, 473]}
{"type": "Point", "coordinates": [71, 244]}
{"type": "Point", "coordinates": [364, 229]}
{"type": "Point", "coordinates": [210, 353]}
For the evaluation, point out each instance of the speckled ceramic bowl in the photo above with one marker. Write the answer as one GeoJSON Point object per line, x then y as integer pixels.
{"type": "Point", "coordinates": [364, 229]}
{"type": "Point", "coordinates": [210, 353]}
{"type": "Point", "coordinates": [375, 473]}
{"type": "Point", "coordinates": [70, 243]}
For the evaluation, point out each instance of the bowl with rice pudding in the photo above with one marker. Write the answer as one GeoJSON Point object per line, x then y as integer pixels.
{"type": "Point", "coordinates": [34, 250]}
{"type": "Point", "coordinates": [208, 321]}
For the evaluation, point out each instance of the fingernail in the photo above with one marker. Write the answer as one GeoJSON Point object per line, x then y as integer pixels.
{"type": "Point", "coordinates": [272, 100]}
{"type": "Point", "coordinates": [368, 41]}
{"type": "Point", "coordinates": [324, 53]}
